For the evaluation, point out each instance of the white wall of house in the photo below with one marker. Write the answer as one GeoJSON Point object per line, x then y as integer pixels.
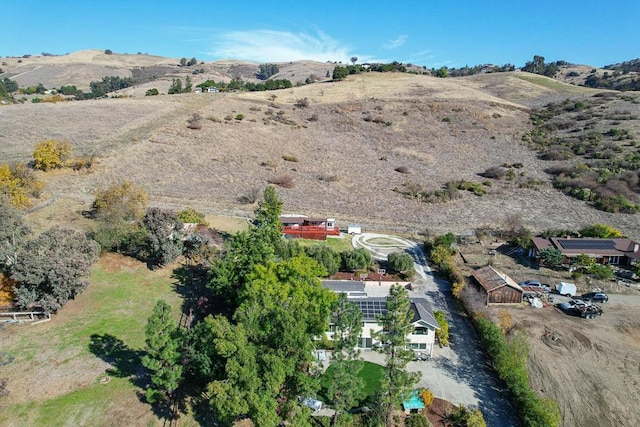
{"type": "Point", "coordinates": [422, 339]}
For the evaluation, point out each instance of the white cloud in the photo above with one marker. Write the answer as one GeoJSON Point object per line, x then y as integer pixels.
{"type": "Point", "coordinates": [395, 43]}
{"type": "Point", "coordinates": [278, 46]}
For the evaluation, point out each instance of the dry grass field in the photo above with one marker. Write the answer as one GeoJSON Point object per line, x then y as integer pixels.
{"type": "Point", "coordinates": [348, 143]}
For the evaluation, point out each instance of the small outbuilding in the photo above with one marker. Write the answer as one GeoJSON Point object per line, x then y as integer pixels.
{"type": "Point", "coordinates": [413, 405]}
{"type": "Point", "coordinates": [497, 286]}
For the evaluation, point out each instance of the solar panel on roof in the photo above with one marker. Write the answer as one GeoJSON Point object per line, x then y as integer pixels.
{"type": "Point", "coordinates": [573, 244]}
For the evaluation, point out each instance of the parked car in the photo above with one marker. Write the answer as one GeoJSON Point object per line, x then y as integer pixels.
{"type": "Point", "coordinates": [595, 297]}
{"type": "Point", "coordinates": [535, 284]}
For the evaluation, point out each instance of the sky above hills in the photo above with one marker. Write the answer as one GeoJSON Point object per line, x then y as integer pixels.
{"type": "Point", "coordinates": [421, 32]}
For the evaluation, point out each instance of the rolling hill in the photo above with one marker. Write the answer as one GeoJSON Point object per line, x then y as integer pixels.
{"type": "Point", "coordinates": [360, 148]}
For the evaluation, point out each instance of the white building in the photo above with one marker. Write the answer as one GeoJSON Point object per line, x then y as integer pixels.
{"type": "Point", "coordinates": [422, 338]}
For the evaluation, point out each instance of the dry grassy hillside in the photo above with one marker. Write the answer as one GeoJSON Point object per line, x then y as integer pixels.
{"type": "Point", "coordinates": [81, 68]}
{"type": "Point", "coordinates": [348, 143]}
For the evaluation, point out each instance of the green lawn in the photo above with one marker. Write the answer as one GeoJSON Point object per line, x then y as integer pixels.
{"type": "Point", "coordinates": [371, 373]}
{"type": "Point", "coordinates": [54, 378]}
{"type": "Point", "coordinates": [337, 244]}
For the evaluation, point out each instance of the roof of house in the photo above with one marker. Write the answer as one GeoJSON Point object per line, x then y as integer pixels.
{"type": "Point", "coordinates": [571, 246]}
{"type": "Point", "coordinates": [491, 279]}
{"type": "Point", "coordinates": [344, 286]}
{"type": "Point", "coordinates": [373, 307]}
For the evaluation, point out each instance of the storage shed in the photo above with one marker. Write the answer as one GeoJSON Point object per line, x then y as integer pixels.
{"type": "Point", "coordinates": [498, 287]}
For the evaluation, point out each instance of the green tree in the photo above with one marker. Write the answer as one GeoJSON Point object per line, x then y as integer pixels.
{"type": "Point", "coordinates": [354, 59]}
{"type": "Point", "coordinates": [346, 386]}
{"type": "Point", "coordinates": [192, 61]}
{"type": "Point", "coordinates": [356, 259]}
{"type": "Point", "coordinates": [551, 256]}
{"type": "Point", "coordinates": [151, 92]}
{"type": "Point", "coordinates": [400, 262]}
{"type": "Point", "coordinates": [176, 86]}
{"type": "Point", "coordinates": [267, 216]}
{"type": "Point", "coordinates": [396, 326]}
{"type": "Point", "coordinates": [442, 72]}
{"type": "Point", "coordinates": [325, 256]}
{"type": "Point", "coordinates": [601, 231]}
{"type": "Point", "coordinates": [268, 351]}
{"type": "Point", "coordinates": [244, 251]}
{"type": "Point", "coordinates": [10, 85]}
{"type": "Point", "coordinates": [188, 86]}
{"type": "Point", "coordinates": [163, 354]}
{"type": "Point", "coordinates": [265, 71]}
{"type": "Point", "coordinates": [340, 73]}
{"type": "Point", "coordinates": [183, 62]}
{"type": "Point", "coordinates": [164, 233]}
{"type": "Point", "coordinates": [52, 269]}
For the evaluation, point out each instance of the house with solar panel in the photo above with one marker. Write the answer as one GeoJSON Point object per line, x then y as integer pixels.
{"type": "Point", "coordinates": [623, 252]}
{"type": "Point", "coordinates": [421, 339]}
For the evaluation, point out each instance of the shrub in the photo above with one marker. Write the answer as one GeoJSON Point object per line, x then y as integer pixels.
{"type": "Point", "coordinates": [192, 216]}
{"type": "Point", "coordinates": [302, 103]}
{"type": "Point", "coordinates": [239, 116]}
{"type": "Point", "coordinates": [328, 177]}
{"type": "Point", "coordinates": [446, 119]}
{"type": "Point", "coordinates": [495, 172]}
{"type": "Point", "coordinates": [442, 334]}
{"type": "Point", "coordinates": [108, 52]}
{"type": "Point", "coordinates": [601, 231]}
{"type": "Point", "coordinates": [124, 201]}
{"type": "Point", "coordinates": [151, 92]}
{"type": "Point", "coordinates": [403, 169]}
{"type": "Point", "coordinates": [18, 183]}
{"type": "Point", "coordinates": [426, 396]}
{"type": "Point", "coordinates": [400, 262]}
{"type": "Point", "coordinates": [284, 180]}
{"type": "Point", "coordinates": [51, 154]}
{"type": "Point", "coordinates": [290, 158]}
{"type": "Point", "coordinates": [356, 259]}
{"type": "Point", "coordinates": [195, 121]}
{"type": "Point", "coordinates": [417, 420]}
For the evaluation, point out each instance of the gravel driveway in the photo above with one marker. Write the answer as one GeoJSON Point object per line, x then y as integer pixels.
{"type": "Point", "coordinates": [460, 372]}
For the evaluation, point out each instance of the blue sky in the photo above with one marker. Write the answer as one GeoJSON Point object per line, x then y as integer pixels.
{"type": "Point", "coordinates": [422, 32]}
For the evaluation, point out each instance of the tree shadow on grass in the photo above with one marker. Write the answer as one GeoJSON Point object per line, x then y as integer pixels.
{"type": "Point", "coordinates": [126, 363]}
{"type": "Point", "coordinates": [197, 299]}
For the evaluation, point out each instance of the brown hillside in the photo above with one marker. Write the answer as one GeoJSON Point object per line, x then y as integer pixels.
{"type": "Point", "coordinates": [349, 142]}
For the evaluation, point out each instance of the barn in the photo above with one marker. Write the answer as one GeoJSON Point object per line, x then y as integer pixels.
{"type": "Point", "coordinates": [498, 287]}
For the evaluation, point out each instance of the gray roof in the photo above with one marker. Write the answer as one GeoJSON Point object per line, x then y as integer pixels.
{"type": "Point", "coordinates": [372, 307]}
{"type": "Point", "coordinates": [345, 286]}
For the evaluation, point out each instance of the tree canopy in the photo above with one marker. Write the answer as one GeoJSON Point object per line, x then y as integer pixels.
{"type": "Point", "coordinates": [163, 353]}
{"type": "Point", "coordinates": [52, 269]}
